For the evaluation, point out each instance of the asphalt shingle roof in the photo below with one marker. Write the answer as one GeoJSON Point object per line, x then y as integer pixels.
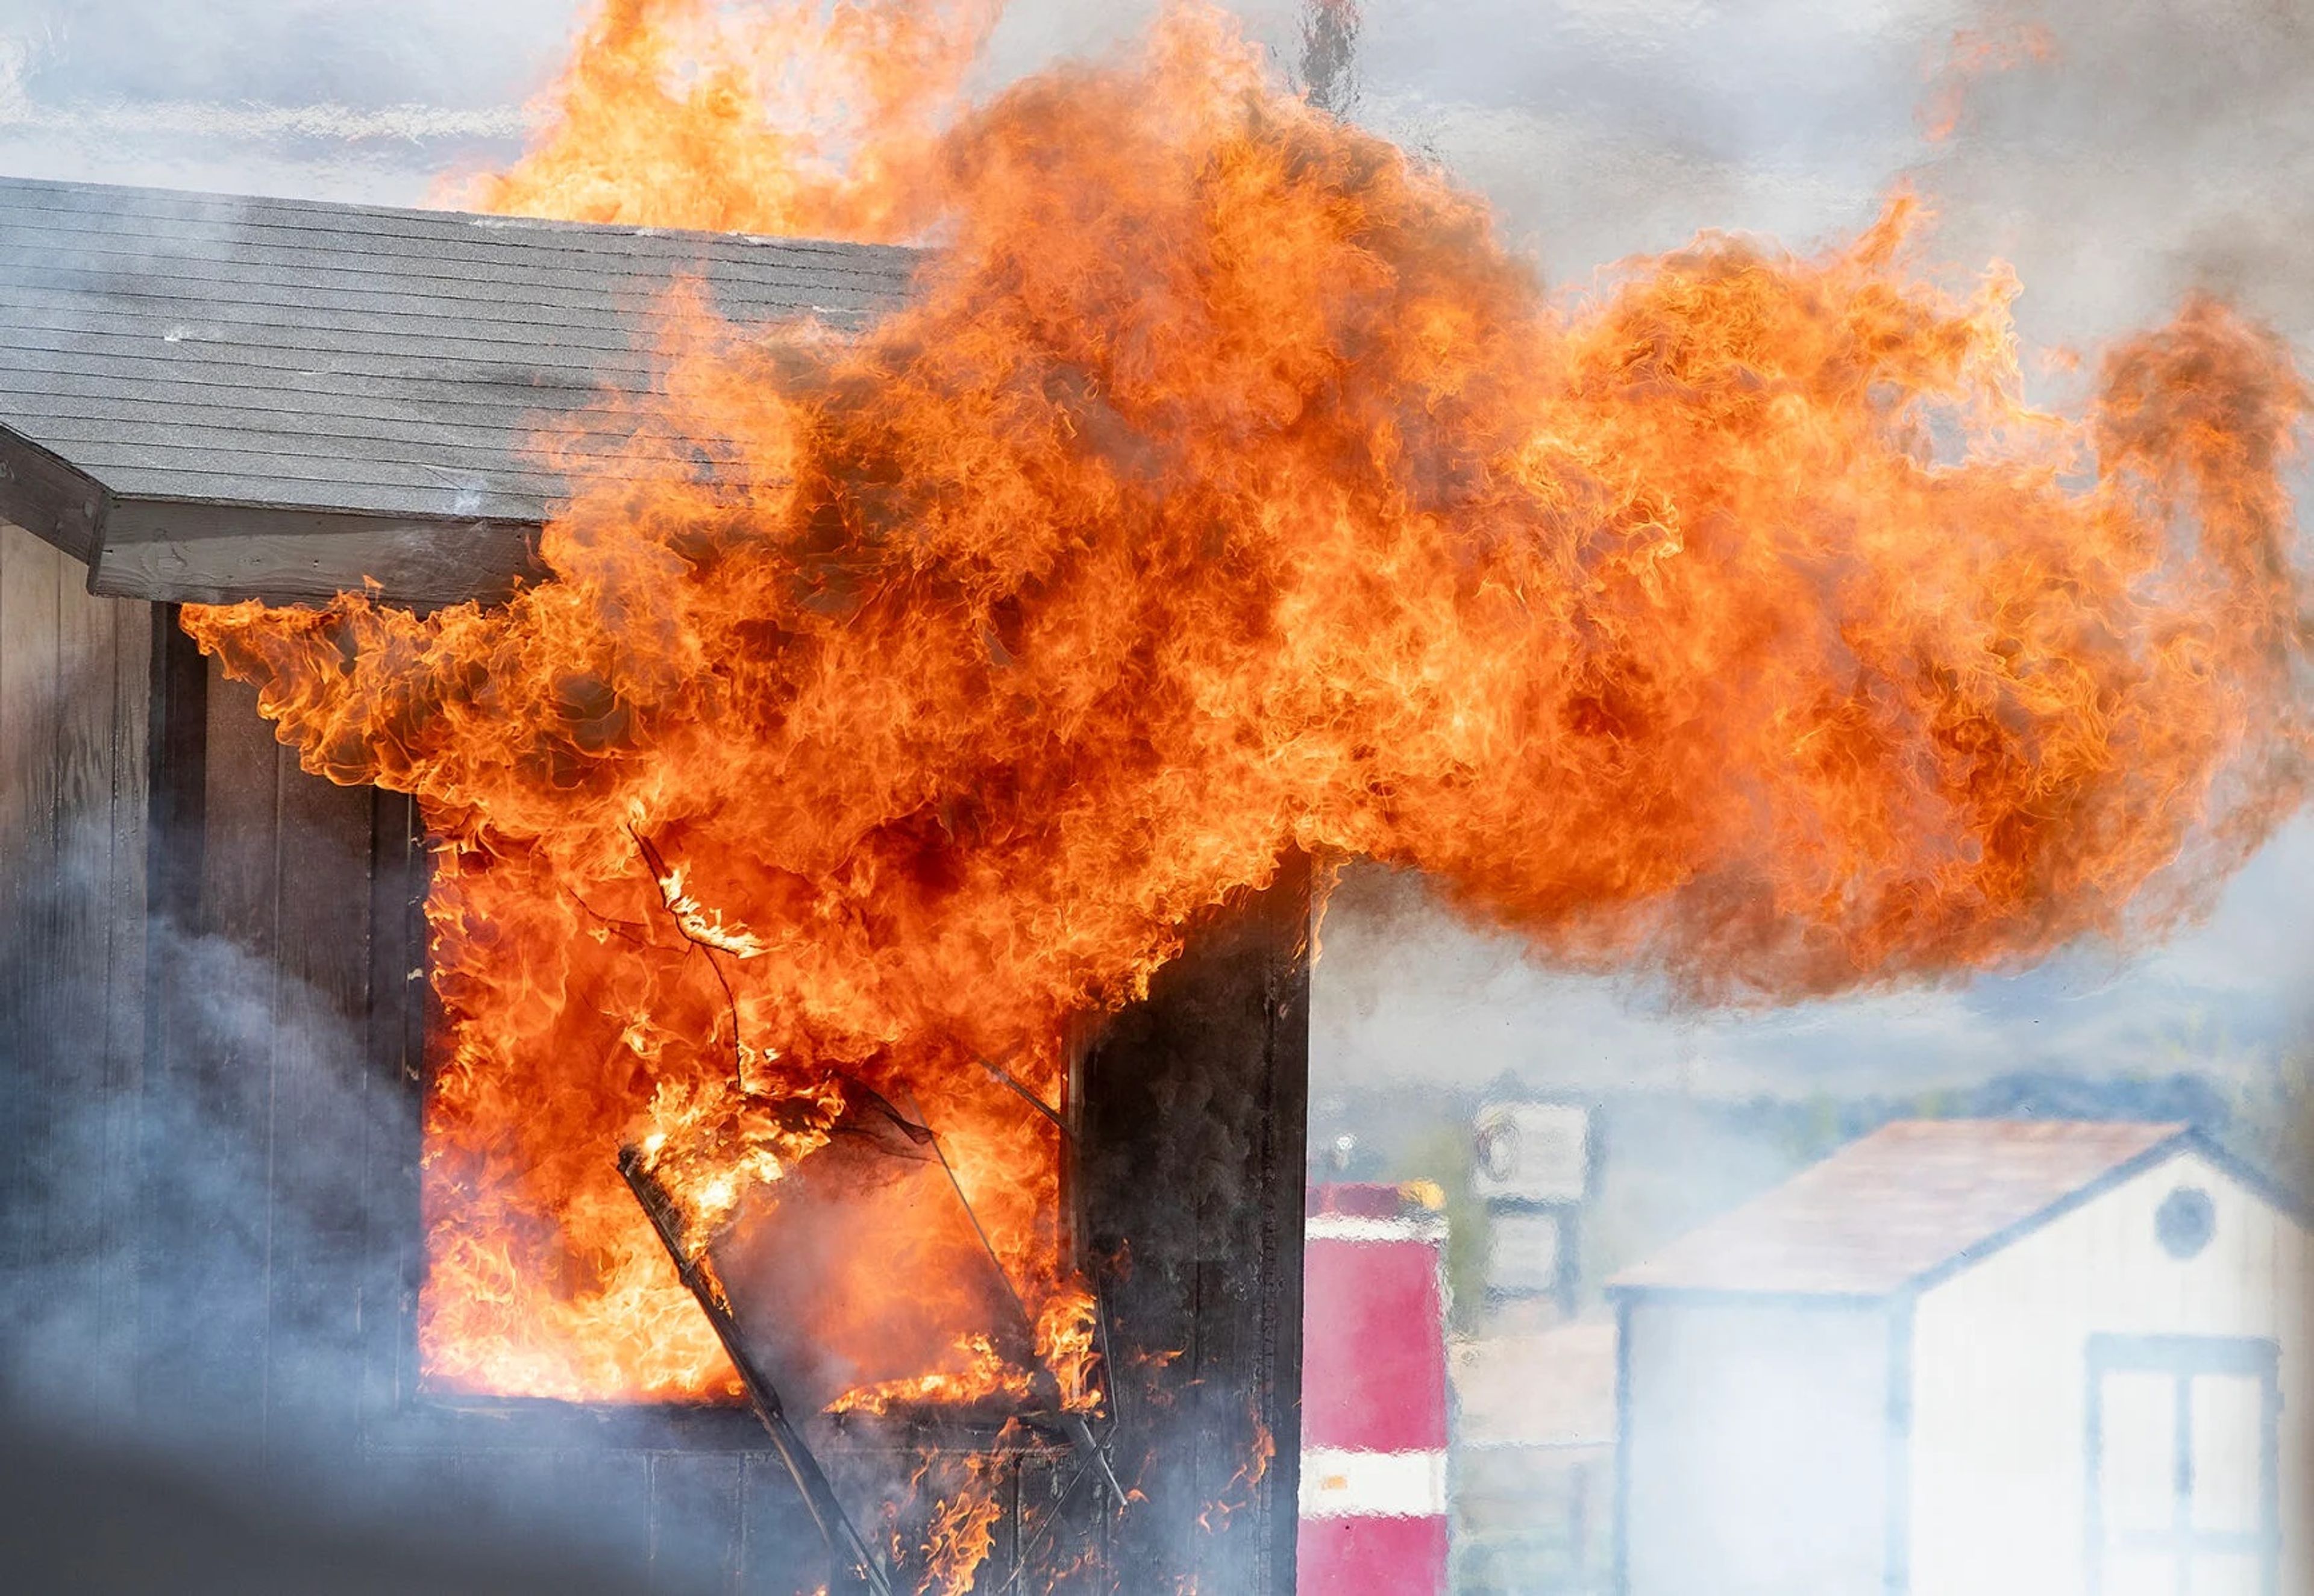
{"type": "Point", "coordinates": [1890, 1209]}
{"type": "Point", "coordinates": [218, 351]}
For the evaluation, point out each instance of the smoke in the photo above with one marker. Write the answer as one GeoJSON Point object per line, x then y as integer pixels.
{"type": "Point", "coordinates": [293, 97]}
{"type": "Point", "coordinates": [1407, 996]}
{"type": "Point", "coordinates": [285, 52]}
{"type": "Point", "coordinates": [2163, 146]}
{"type": "Point", "coordinates": [200, 1266]}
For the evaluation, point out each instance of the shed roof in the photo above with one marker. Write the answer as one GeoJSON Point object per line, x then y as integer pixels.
{"type": "Point", "coordinates": [1894, 1208]}
{"type": "Point", "coordinates": [193, 379]}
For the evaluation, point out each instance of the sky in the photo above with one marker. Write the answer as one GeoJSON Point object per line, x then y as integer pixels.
{"type": "Point", "coordinates": [2166, 145]}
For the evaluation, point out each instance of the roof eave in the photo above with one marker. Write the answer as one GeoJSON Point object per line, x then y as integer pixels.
{"type": "Point", "coordinates": [1619, 1291]}
{"type": "Point", "coordinates": [50, 496]}
{"type": "Point", "coordinates": [2180, 1139]}
{"type": "Point", "coordinates": [180, 551]}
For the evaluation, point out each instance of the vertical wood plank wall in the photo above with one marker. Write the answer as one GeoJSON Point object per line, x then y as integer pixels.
{"type": "Point", "coordinates": [73, 721]}
{"type": "Point", "coordinates": [1191, 1110]}
{"type": "Point", "coordinates": [263, 1094]}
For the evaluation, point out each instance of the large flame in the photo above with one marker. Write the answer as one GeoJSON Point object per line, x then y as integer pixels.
{"type": "Point", "coordinates": [1229, 488]}
{"type": "Point", "coordinates": [769, 115]}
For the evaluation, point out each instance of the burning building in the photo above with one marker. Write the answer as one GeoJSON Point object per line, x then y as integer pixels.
{"type": "Point", "coordinates": [822, 758]}
{"type": "Point", "coordinates": [1976, 1355]}
{"type": "Point", "coordinates": [217, 398]}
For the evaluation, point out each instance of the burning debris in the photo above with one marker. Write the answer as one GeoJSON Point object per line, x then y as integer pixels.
{"type": "Point", "coordinates": [771, 1250]}
{"type": "Point", "coordinates": [852, 1563]}
{"type": "Point", "coordinates": [934, 1320]}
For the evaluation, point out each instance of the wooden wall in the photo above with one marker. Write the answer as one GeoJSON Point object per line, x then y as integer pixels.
{"type": "Point", "coordinates": [209, 1236]}
{"type": "Point", "coordinates": [1191, 1111]}
{"type": "Point", "coordinates": [281, 1102]}
{"type": "Point", "coordinates": [73, 724]}
{"type": "Point", "coordinates": [289, 1252]}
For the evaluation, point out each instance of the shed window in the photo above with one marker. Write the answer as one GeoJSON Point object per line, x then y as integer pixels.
{"type": "Point", "coordinates": [2184, 1222]}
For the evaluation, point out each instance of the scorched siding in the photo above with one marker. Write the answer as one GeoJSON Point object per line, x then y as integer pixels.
{"type": "Point", "coordinates": [2000, 1472]}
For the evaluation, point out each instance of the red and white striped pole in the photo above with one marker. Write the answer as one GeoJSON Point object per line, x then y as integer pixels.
{"type": "Point", "coordinates": [1374, 1395]}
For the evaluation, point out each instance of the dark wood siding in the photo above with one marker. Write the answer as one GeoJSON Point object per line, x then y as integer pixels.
{"type": "Point", "coordinates": [72, 704]}
{"type": "Point", "coordinates": [1192, 1110]}
{"type": "Point", "coordinates": [262, 1081]}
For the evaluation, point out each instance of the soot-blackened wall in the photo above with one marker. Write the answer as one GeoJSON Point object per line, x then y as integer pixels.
{"type": "Point", "coordinates": [1191, 1111]}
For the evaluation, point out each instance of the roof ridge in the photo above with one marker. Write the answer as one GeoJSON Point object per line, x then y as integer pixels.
{"type": "Point", "coordinates": [1889, 1210]}
{"type": "Point", "coordinates": [485, 221]}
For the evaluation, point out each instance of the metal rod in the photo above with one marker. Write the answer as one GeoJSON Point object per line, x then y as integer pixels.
{"type": "Point", "coordinates": [971, 1217]}
{"type": "Point", "coordinates": [1080, 1436]}
{"type": "Point", "coordinates": [1035, 1542]}
{"type": "Point", "coordinates": [1027, 1097]}
{"type": "Point", "coordinates": [1079, 1432]}
{"type": "Point", "coordinates": [656, 862]}
{"type": "Point", "coordinates": [853, 1567]}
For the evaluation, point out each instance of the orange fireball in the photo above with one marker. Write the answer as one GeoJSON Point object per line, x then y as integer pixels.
{"type": "Point", "coordinates": [1229, 488]}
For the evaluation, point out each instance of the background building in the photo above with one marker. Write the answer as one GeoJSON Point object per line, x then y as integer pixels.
{"type": "Point", "coordinates": [1532, 1170]}
{"type": "Point", "coordinates": [1974, 1358]}
{"type": "Point", "coordinates": [1535, 1461]}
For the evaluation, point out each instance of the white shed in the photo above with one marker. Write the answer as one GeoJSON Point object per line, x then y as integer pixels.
{"type": "Point", "coordinates": [1975, 1358]}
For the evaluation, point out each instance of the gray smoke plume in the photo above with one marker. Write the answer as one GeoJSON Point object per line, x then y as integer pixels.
{"type": "Point", "coordinates": [2164, 147]}
{"type": "Point", "coordinates": [178, 1371]}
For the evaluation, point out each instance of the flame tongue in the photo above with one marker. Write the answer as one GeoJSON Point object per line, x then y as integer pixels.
{"type": "Point", "coordinates": [1228, 487]}
{"type": "Point", "coordinates": [748, 116]}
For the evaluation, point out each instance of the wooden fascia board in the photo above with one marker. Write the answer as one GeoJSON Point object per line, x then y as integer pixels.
{"type": "Point", "coordinates": [2285, 1200]}
{"type": "Point", "coordinates": [51, 497]}
{"type": "Point", "coordinates": [178, 551]}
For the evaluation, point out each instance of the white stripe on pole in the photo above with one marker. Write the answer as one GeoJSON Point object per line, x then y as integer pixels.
{"type": "Point", "coordinates": [1340, 1485]}
{"type": "Point", "coordinates": [1350, 1227]}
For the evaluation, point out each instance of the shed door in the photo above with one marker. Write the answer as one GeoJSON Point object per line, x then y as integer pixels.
{"type": "Point", "coordinates": [2184, 1497]}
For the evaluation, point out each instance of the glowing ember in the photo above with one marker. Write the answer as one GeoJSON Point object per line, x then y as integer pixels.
{"type": "Point", "coordinates": [1229, 488]}
{"type": "Point", "coordinates": [985, 1374]}
{"type": "Point", "coordinates": [702, 925]}
{"type": "Point", "coordinates": [1250, 1472]}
